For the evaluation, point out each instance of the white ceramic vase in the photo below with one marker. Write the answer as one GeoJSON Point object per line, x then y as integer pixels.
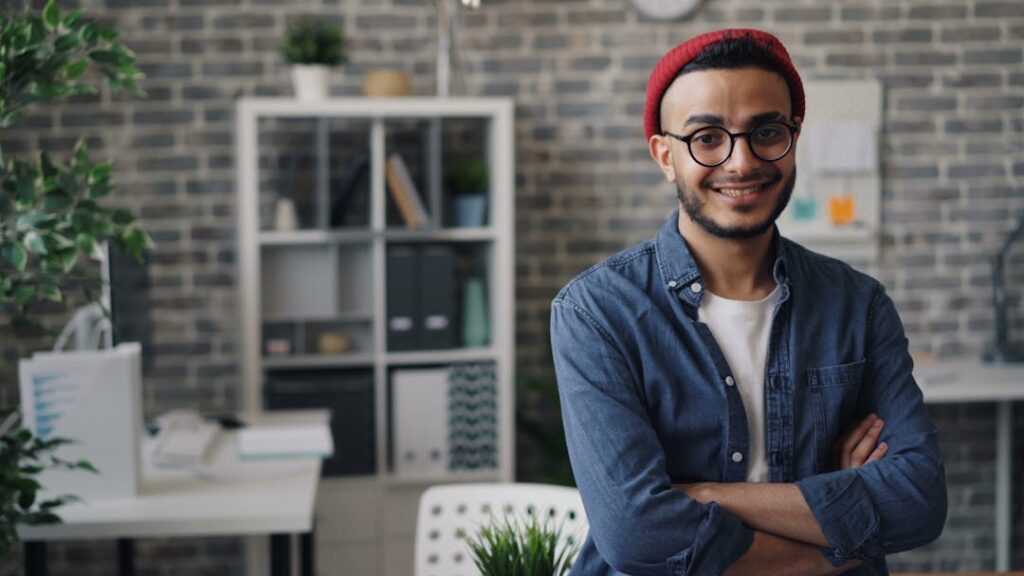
{"type": "Point", "coordinates": [311, 81]}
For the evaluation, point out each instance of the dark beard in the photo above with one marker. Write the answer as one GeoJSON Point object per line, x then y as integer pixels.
{"type": "Point", "coordinates": [693, 206]}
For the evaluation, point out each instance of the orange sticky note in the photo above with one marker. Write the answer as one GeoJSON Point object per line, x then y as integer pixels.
{"type": "Point", "coordinates": [841, 209]}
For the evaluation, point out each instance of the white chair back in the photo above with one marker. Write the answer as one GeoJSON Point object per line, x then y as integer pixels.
{"type": "Point", "coordinates": [449, 514]}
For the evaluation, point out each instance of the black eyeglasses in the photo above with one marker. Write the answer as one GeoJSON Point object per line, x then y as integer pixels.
{"type": "Point", "coordinates": [712, 146]}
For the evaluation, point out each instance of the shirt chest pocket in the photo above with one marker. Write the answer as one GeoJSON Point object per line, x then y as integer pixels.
{"type": "Point", "coordinates": [833, 401]}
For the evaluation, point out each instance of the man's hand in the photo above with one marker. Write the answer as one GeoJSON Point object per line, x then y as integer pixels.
{"type": "Point", "coordinates": [860, 445]}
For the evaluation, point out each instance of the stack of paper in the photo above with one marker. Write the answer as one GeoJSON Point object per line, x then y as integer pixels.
{"type": "Point", "coordinates": [285, 441]}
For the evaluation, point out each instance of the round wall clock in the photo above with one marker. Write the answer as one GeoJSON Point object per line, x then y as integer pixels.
{"type": "Point", "coordinates": [666, 9]}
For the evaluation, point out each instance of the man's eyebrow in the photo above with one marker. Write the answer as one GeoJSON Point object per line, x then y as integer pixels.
{"type": "Point", "coordinates": [715, 120]}
{"type": "Point", "coordinates": [704, 119]}
{"type": "Point", "coordinates": [767, 117]}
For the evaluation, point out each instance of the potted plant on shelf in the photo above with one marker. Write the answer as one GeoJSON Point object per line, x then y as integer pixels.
{"type": "Point", "coordinates": [522, 548]}
{"type": "Point", "coordinates": [313, 47]}
{"type": "Point", "coordinates": [52, 216]}
{"type": "Point", "coordinates": [468, 180]}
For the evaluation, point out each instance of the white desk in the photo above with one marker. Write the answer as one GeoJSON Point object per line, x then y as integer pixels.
{"type": "Point", "coordinates": [970, 380]}
{"type": "Point", "coordinates": [235, 498]}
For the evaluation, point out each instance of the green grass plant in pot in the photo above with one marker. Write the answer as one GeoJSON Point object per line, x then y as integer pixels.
{"type": "Point", "coordinates": [53, 220]}
{"type": "Point", "coordinates": [523, 547]}
{"type": "Point", "coordinates": [468, 181]}
{"type": "Point", "coordinates": [313, 47]}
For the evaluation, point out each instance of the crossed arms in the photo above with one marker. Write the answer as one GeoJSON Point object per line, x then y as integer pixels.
{"type": "Point", "coordinates": [787, 537]}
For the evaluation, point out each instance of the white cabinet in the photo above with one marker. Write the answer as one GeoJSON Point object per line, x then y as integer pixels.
{"type": "Point", "coordinates": [337, 294]}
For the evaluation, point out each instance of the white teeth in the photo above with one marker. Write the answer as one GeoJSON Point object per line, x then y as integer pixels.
{"type": "Point", "coordinates": [737, 192]}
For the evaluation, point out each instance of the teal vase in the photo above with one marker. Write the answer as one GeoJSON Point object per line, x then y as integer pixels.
{"type": "Point", "coordinates": [476, 325]}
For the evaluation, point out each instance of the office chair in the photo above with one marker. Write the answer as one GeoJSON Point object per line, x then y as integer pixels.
{"type": "Point", "coordinates": [449, 514]}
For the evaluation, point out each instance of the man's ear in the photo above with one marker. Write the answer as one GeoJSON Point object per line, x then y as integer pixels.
{"type": "Point", "coordinates": [662, 154]}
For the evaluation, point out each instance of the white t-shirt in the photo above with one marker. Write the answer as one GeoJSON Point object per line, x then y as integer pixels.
{"type": "Point", "coordinates": [742, 328]}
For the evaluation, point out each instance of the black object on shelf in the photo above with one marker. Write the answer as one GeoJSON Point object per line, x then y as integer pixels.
{"type": "Point", "coordinates": [403, 298]}
{"type": "Point", "coordinates": [356, 174]}
{"type": "Point", "coordinates": [1002, 352]}
{"type": "Point", "coordinates": [437, 297]}
{"type": "Point", "coordinates": [349, 395]}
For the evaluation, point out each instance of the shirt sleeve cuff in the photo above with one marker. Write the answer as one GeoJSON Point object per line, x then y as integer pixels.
{"type": "Point", "coordinates": [846, 513]}
{"type": "Point", "coordinates": [720, 540]}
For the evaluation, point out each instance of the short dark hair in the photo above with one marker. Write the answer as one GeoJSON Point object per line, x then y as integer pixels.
{"type": "Point", "coordinates": [741, 51]}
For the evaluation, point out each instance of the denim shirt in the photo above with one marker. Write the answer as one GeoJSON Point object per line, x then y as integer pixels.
{"type": "Point", "coordinates": [646, 403]}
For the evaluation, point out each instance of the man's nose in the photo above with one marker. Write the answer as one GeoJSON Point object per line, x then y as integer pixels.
{"type": "Point", "coordinates": [742, 159]}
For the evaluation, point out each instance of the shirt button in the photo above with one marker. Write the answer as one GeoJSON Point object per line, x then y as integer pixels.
{"type": "Point", "coordinates": [737, 457]}
{"type": "Point", "coordinates": [672, 283]}
{"type": "Point", "coordinates": [696, 287]}
{"type": "Point", "coordinates": [729, 381]}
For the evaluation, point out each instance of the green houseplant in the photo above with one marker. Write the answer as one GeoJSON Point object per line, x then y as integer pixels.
{"type": "Point", "coordinates": [52, 215]}
{"type": "Point", "coordinates": [467, 180]}
{"type": "Point", "coordinates": [312, 47]}
{"type": "Point", "coordinates": [522, 547]}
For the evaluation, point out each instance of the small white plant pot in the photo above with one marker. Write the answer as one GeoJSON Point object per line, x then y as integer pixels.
{"type": "Point", "coordinates": [311, 82]}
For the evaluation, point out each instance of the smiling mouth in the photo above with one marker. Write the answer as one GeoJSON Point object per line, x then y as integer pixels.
{"type": "Point", "coordinates": [744, 190]}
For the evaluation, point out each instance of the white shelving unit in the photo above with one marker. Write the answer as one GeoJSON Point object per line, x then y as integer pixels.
{"type": "Point", "coordinates": [330, 274]}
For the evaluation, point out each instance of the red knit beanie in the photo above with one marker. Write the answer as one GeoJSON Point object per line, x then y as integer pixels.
{"type": "Point", "coordinates": [667, 69]}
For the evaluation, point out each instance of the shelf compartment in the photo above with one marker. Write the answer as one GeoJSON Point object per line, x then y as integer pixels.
{"type": "Point", "coordinates": [444, 420]}
{"type": "Point", "coordinates": [349, 394]}
{"type": "Point", "coordinates": [437, 296]}
{"type": "Point", "coordinates": [321, 166]}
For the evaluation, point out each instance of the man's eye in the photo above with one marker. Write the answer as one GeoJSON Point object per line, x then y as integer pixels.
{"type": "Point", "coordinates": [708, 139]}
{"type": "Point", "coordinates": [768, 133]}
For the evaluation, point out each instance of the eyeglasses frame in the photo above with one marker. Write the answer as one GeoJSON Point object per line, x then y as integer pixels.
{"type": "Point", "coordinates": [793, 128]}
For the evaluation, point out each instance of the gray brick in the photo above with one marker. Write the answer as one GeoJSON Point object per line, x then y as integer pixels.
{"type": "Point", "coordinates": [911, 171]}
{"type": "Point", "coordinates": [590, 63]}
{"type": "Point", "coordinates": [532, 19]}
{"type": "Point", "coordinates": [995, 103]}
{"type": "Point", "coordinates": [245, 21]}
{"type": "Point", "coordinates": [385, 22]}
{"type": "Point", "coordinates": [959, 126]}
{"type": "Point", "coordinates": [202, 93]}
{"type": "Point", "coordinates": [834, 37]}
{"type": "Point", "coordinates": [970, 34]}
{"type": "Point", "coordinates": [856, 59]}
{"type": "Point", "coordinates": [517, 64]}
{"type": "Point", "coordinates": [1006, 56]}
{"type": "Point", "coordinates": [167, 163]}
{"type": "Point", "coordinates": [159, 140]}
{"type": "Point", "coordinates": [592, 17]}
{"type": "Point", "coordinates": [78, 119]}
{"type": "Point", "coordinates": [802, 14]}
{"type": "Point", "coordinates": [211, 45]}
{"type": "Point", "coordinates": [232, 69]}
{"type": "Point", "coordinates": [929, 58]}
{"type": "Point", "coordinates": [173, 22]}
{"type": "Point", "coordinates": [552, 41]}
{"type": "Point", "coordinates": [166, 70]}
{"type": "Point", "coordinates": [976, 170]}
{"type": "Point", "coordinates": [927, 103]}
{"type": "Point", "coordinates": [999, 10]}
{"type": "Point", "coordinates": [866, 13]}
{"type": "Point", "coordinates": [971, 79]}
{"type": "Point", "coordinates": [937, 12]}
{"type": "Point", "coordinates": [163, 117]}
{"type": "Point", "coordinates": [902, 36]}
{"type": "Point", "coordinates": [572, 86]}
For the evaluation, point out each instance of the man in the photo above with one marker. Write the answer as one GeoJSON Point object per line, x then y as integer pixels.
{"type": "Point", "coordinates": [707, 375]}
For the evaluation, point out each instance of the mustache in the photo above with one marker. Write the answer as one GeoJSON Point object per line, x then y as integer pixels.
{"type": "Point", "coordinates": [752, 178]}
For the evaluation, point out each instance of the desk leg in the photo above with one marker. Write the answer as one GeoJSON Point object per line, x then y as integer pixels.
{"type": "Point", "coordinates": [35, 558]}
{"type": "Point", "coordinates": [1004, 472]}
{"type": "Point", "coordinates": [125, 557]}
{"type": "Point", "coordinates": [306, 551]}
{"type": "Point", "coordinates": [280, 554]}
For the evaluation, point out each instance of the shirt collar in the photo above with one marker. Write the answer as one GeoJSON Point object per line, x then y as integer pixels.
{"type": "Point", "coordinates": [679, 270]}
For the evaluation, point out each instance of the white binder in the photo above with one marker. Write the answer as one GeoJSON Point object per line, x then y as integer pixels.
{"type": "Point", "coordinates": [93, 398]}
{"type": "Point", "coordinates": [421, 421]}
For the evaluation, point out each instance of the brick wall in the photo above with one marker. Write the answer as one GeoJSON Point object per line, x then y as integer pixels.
{"type": "Point", "coordinates": [952, 172]}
